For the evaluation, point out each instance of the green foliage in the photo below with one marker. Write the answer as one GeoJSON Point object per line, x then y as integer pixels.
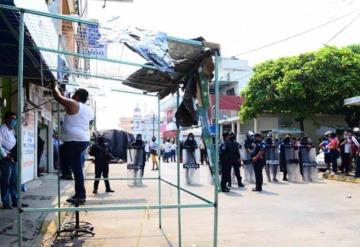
{"type": "Point", "coordinates": [304, 85]}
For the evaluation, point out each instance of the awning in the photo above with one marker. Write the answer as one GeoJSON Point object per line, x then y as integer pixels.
{"type": "Point", "coordinates": [9, 26]}
{"type": "Point", "coordinates": [354, 101]}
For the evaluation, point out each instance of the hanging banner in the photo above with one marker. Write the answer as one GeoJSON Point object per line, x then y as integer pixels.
{"type": "Point", "coordinates": [94, 47]}
{"type": "Point", "coordinates": [28, 148]}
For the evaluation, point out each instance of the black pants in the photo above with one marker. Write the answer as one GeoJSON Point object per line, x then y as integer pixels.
{"type": "Point", "coordinates": [258, 167]}
{"type": "Point", "coordinates": [283, 167]}
{"type": "Point", "coordinates": [102, 169]}
{"type": "Point", "coordinates": [345, 162]}
{"type": "Point", "coordinates": [203, 155]}
{"type": "Point", "coordinates": [334, 156]}
{"type": "Point", "coordinates": [64, 164]}
{"type": "Point", "coordinates": [225, 175]}
{"type": "Point", "coordinates": [236, 168]}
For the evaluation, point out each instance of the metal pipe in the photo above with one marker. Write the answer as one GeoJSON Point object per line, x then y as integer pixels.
{"type": "Point", "coordinates": [113, 208]}
{"type": "Point", "coordinates": [50, 15]}
{"type": "Point", "coordinates": [137, 178]}
{"type": "Point", "coordinates": [178, 169]}
{"type": "Point", "coordinates": [96, 58]}
{"type": "Point", "coordinates": [58, 147]}
{"type": "Point", "coordinates": [159, 182]}
{"type": "Point", "coordinates": [187, 191]}
{"type": "Point", "coordinates": [217, 137]}
{"type": "Point", "coordinates": [19, 139]}
{"type": "Point", "coordinates": [135, 93]}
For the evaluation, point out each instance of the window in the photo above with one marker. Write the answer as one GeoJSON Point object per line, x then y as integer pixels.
{"type": "Point", "coordinates": [230, 91]}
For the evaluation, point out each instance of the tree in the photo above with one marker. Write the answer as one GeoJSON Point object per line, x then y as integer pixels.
{"type": "Point", "coordinates": [305, 85]}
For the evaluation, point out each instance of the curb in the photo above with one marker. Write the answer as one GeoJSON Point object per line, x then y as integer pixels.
{"type": "Point", "coordinates": [342, 178]}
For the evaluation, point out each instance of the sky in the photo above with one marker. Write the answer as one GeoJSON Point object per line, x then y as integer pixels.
{"type": "Point", "coordinates": [237, 25]}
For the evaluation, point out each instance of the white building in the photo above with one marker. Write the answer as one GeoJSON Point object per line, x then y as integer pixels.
{"type": "Point", "coordinates": [146, 125]}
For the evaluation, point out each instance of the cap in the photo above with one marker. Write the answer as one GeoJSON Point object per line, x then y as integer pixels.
{"type": "Point", "coordinates": [356, 129]}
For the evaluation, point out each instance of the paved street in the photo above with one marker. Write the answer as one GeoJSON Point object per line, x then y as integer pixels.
{"type": "Point", "coordinates": [326, 213]}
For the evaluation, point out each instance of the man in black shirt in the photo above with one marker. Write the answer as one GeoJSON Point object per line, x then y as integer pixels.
{"type": "Point", "coordinates": [258, 160]}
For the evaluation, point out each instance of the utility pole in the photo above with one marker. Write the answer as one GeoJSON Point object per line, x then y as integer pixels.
{"type": "Point", "coordinates": [153, 128]}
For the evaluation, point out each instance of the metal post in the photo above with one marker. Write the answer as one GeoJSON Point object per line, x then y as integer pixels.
{"type": "Point", "coordinates": [59, 170]}
{"type": "Point", "coordinates": [216, 165]}
{"type": "Point", "coordinates": [159, 171]}
{"type": "Point", "coordinates": [58, 147]}
{"type": "Point", "coordinates": [20, 104]}
{"type": "Point", "coordinates": [178, 168]}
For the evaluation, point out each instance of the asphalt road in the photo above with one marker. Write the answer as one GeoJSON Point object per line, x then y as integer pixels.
{"type": "Point", "coordinates": [326, 213]}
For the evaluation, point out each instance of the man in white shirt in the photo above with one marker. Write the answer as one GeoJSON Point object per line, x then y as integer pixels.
{"type": "Point", "coordinates": [76, 137]}
{"type": "Point", "coordinates": [8, 161]}
{"type": "Point", "coordinates": [167, 150]}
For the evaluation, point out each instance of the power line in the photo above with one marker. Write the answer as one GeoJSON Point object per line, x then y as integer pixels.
{"type": "Point", "coordinates": [343, 29]}
{"type": "Point", "coordinates": [298, 34]}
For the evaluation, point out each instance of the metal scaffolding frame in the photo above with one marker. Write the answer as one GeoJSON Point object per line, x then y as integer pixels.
{"type": "Point", "coordinates": [206, 203]}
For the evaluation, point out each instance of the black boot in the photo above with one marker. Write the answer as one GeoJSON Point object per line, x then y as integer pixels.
{"type": "Point", "coordinates": [240, 184]}
{"type": "Point", "coordinates": [107, 186]}
{"type": "Point", "coordinates": [96, 185]}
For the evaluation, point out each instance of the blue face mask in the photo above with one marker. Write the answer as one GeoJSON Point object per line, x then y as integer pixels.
{"type": "Point", "coordinates": [13, 123]}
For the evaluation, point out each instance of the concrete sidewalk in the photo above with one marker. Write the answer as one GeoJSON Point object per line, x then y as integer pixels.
{"type": "Point", "coordinates": [37, 227]}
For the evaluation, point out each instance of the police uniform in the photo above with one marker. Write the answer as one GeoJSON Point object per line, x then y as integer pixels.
{"type": "Point", "coordinates": [259, 164]}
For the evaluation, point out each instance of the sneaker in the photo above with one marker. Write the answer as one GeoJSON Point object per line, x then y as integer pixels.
{"type": "Point", "coordinates": [109, 191]}
{"type": "Point", "coordinates": [241, 185]}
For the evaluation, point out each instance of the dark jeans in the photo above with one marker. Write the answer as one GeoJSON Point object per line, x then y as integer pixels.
{"type": "Point", "coordinates": [225, 175]}
{"type": "Point", "coordinates": [73, 156]}
{"type": "Point", "coordinates": [345, 162]}
{"type": "Point", "coordinates": [101, 169]}
{"type": "Point", "coordinates": [173, 155]}
{"type": "Point", "coordinates": [64, 164]}
{"type": "Point", "coordinates": [258, 167]}
{"type": "Point", "coordinates": [203, 156]}
{"type": "Point", "coordinates": [357, 168]}
{"type": "Point", "coordinates": [334, 156]}
{"type": "Point", "coordinates": [8, 181]}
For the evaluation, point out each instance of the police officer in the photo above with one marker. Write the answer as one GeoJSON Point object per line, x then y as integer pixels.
{"type": "Point", "coordinates": [233, 158]}
{"type": "Point", "coordinates": [139, 145]}
{"type": "Point", "coordinates": [271, 157]}
{"type": "Point", "coordinates": [102, 159]}
{"type": "Point", "coordinates": [225, 165]}
{"type": "Point", "coordinates": [258, 160]}
{"type": "Point", "coordinates": [284, 143]}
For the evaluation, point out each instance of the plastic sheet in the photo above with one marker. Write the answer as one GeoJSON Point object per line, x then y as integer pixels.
{"type": "Point", "coordinates": [191, 167]}
{"type": "Point", "coordinates": [292, 164]}
{"type": "Point", "coordinates": [151, 45]}
{"type": "Point", "coordinates": [272, 162]}
{"type": "Point", "coordinates": [249, 174]}
{"type": "Point", "coordinates": [308, 157]}
{"type": "Point", "coordinates": [135, 165]}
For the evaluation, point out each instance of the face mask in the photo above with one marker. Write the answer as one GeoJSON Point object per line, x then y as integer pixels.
{"type": "Point", "coordinates": [13, 123]}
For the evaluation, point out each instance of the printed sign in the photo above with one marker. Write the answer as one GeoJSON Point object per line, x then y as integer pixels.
{"type": "Point", "coordinates": [94, 48]}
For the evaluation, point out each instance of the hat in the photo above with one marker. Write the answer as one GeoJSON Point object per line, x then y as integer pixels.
{"type": "Point", "coordinates": [328, 132]}
{"type": "Point", "coordinates": [250, 133]}
{"type": "Point", "coordinates": [257, 135]}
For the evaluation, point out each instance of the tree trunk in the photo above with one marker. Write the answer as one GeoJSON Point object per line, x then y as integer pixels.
{"type": "Point", "coordinates": [301, 124]}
